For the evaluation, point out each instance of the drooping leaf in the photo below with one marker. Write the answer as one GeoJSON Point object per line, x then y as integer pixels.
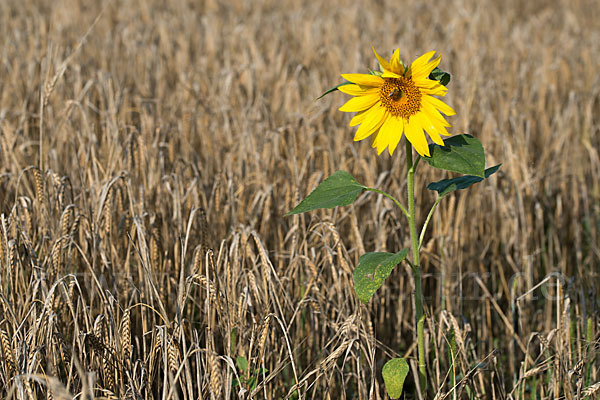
{"type": "Point", "coordinates": [333, 89]}
{"type": "Point", "coordinates": [438, 75]}
{"type": "Point", "coordinates": [372, 271]}
{"type": "Point", "coordinates": [340, 189]}
{"type": "Point", "coordinates": [447, 186]}
{"type": "Point", "coordinates": [394, 373]}
{"type": "Point", "coordinates": [461, 153]}
{"type": "Point", "coordinates": [241, 363]}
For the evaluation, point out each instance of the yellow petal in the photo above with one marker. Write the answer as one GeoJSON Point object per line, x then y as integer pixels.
{"type": "Point", "coordinates": [389, 74]}
{"type": "Point", "coordinates": [425, 83]}
{"type": "Point", "coordinates": [359, 103]}
{"type": "Point", "coordinates": [439, 128]}
{"type": "Point", "coordinates": [415, 135]}
{"type": "Point", "coordinates": [422, 60]}
{"type": "Point", "coordinates": [380, 149]}
{"type": "Point", "coordinates": [425, 70]}
{"type": "Point", "coordinates": [358, 118]}
{"type": "Point", "coordinates": [439, 123]}
{"type": "Point", "coordinates": [386, 65]}
{"type": "Point", "coordinates": [380, 141]}
{"type": "Point", "coordinates": [440, 105]}
{"type": "Point", "coordinates": [422, 67]}
{"type": "Point", "coordinates": [436, 89]}
{"type": "Point", "coordinates": [399, 122]}
{"type": "Point", "coordinates": [429, 127]}
{"type": "Point", "coordinates": [389, 135]}
{"type": "Point", "coordinates": [396, 64]}
{"type": "Point", "coordinates": [434, 114]}
{"type": "Point", "coordinates": [364, 79]}
{"type": "Point", "coordinates": [372, 122]}
{"type": "Point", "coordinates": [357, 90]}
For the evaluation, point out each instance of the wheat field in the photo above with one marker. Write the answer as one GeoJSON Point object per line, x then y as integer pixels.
{"type": "Point", "coordinates": [149, 151]}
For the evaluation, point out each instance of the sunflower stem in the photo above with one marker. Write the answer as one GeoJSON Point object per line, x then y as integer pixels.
{"type": "Point", "coordinates": [416, 267]}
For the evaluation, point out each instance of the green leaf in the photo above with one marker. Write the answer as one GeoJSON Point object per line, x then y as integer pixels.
{"type": "Point", "coordinates": [340, 189]}
{"type": "Point", "coordinates": [241, 363]}
{"type": "Point", "coordinates": [441, 76]}
{"type": "Point", "coordinates": [333, 89]}
{"type": "Point", "coordinates": [462, 153]}
{"type": "Point", "coordinates": [372, 270]}
{"type": "Point", "coordinates": [447, 186]}
{"type": "Point", "coordinates": [394, 373]}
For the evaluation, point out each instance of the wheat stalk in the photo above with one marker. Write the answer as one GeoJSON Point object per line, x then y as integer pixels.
{"type": "Point", "coordinates": [592, 390]}
{"type": "Point", "coordinates": [39, 187]}
{"type": "Point", "coordinates": [107, 213]}
{"type": "Point", "coordinates": [26, 215]}
{"type": "Point", "coordinates": [215, 383]}
{"type": "Point", "coordinates": [262, 339]}
{"type": "Point", "coordinates": [126, 336]}
{"type": "Point", "coordinates": [173, 355]}
{"type": "Point", "coordinates": [13, 257]}
{"type": "Point", "coordinates": [7, 353]}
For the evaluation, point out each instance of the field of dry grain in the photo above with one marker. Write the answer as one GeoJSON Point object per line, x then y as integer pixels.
{"type": "Point", "coordinates": [149, 151]}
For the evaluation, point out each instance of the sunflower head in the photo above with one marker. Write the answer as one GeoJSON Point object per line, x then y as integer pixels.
{"type": "Point", "coordinates": [398, 101]}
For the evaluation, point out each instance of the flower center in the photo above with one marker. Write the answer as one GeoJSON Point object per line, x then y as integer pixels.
{"type": "Point", "coordinates": [400, 96]}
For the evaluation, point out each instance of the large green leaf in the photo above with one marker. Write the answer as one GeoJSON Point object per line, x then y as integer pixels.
{"type": "Point", "coordinates": [340, 189]}
{"type": "Point", "coordinates": [462, 153]}
{"type": "Point", "coordinates": [394, 373]}
{"type": "Point", "coordinates": [372, 270]}
{"type": "Point", "coordinates": [447, 186]}
{"type": "Point", "coordinates": [333, 89]}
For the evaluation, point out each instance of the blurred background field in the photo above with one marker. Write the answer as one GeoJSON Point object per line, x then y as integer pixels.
{"type": "Point", "coordinates": [145, 254]}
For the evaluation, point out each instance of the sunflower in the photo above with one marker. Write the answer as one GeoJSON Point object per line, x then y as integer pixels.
{"type": "Point", "coordinates": [399, 100]}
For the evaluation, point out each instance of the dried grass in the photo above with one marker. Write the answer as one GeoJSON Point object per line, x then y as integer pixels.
{"type": "Point", "coordinates": [146, 249]}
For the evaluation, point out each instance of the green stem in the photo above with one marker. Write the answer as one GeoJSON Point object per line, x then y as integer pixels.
{"type": "Point", "coordinates": [391, 198]}
{"type": "Point", "coordinates": [424, 228]}
{"type": "Point", "coordinates": [416, 267]}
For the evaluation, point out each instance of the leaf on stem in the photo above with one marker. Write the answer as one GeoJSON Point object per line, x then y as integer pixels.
{"type": "Point", "coordinates": [394, 373]}
{"type": "Point", "coordinates": [242, 363]}
{"type": "Point", "coordinates": [372, 271]}
{"type": "Point", "coordinates": [438, 75]}
{"type": "Point", "coordinates": [340, 189]}
{"type": "Point", "coordinates": [447, 186]}
{"type": "Point", "coordinates": [461, 153]}
{"type": "Point", "coordinates": [333, 89]}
